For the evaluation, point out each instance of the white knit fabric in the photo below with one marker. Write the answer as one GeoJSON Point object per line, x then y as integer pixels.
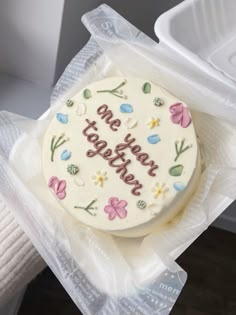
{"type": "Point", "coordinates": [19, 260]}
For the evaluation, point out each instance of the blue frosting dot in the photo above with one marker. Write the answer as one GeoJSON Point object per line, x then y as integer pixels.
{"type": "Point", "coordinates": [126, 108]}
{"type": "Point", "coordinates": [153, 139]}
{"type": "Point", "coordinates": [62, 118]}
{"type": "Point", "coordinates": [179, 186]}
{"type": "Point", "coordinates": [65, 155]}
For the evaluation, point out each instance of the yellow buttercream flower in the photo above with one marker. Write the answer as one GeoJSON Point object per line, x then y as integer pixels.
{"type": "Point", "coordinates": [160, 190]}
{"type": "Point", "coordinates": [153, 122]}
{"type": "Point", "coordinates": [99, 178]}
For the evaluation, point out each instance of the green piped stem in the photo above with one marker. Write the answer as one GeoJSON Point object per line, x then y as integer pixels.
{"type": "Point", "coordinates": [89, 207]}
{"type": "Point", "coordinates": [180, 150]}
{"type": "Point", "coordinates": [56, 145]}
{"type": "Point", "coordinates": [114, 91]}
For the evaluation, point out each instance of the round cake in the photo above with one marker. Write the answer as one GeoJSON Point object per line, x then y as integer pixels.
{"type": "Point", "coordinates": [122, 156]}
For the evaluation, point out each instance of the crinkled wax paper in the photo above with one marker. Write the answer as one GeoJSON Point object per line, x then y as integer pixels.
{"type": "Point", "coordinates": [107, 275]}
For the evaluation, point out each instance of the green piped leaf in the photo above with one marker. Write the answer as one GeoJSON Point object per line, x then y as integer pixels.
{"type": "Point", "coordinates": [87, 94]}
{"type": "Point", "coordinates": [176, 170]}
{"type": "Point", "coordinates": [147, 88]}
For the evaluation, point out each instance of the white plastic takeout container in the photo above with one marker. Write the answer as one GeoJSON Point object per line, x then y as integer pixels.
{"type": "Point", "coordinates": [204, 33]}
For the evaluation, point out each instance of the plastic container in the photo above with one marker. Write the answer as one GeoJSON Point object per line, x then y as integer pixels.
{"type": "Point", "coordinates": [203, 32]}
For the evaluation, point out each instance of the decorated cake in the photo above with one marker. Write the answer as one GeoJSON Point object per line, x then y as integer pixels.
{"type": "Point", "coordinates": [122, 156]}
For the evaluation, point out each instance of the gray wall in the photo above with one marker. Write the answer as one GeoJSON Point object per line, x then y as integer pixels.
{"type": "Point", "coordinates": [29, 34]}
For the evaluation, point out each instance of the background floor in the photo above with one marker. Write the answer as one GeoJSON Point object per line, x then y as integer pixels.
{"type": "Point", "coordinates": [210, 290]}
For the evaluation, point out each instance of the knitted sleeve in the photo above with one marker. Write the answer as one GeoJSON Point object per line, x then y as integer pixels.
{"type": "Point", "coordinates": [19, 260]}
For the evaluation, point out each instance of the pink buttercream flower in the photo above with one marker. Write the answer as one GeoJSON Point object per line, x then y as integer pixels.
{"type": "Point", "coordinates": [58, 186]}
{"type": "Point", "coordinates": [180, 115]}
{"type": "Point", "coordinates": [116, 208]}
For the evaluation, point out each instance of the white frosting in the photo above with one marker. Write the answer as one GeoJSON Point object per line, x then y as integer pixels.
{"type": "Point", "coordinates": [83, 187]}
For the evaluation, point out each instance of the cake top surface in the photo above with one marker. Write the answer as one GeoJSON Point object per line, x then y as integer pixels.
{"type": "Point", "coordinates": [119, 153]}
